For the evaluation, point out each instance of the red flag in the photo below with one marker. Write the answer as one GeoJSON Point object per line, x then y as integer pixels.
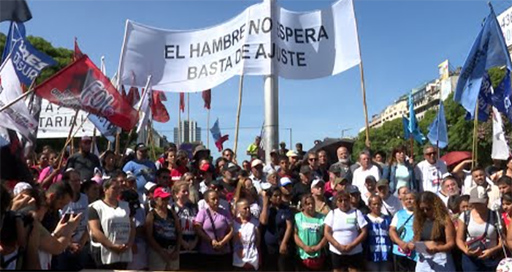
{"type": "Point", "coordinates": [133, 96]}
{"type": "Point", "coordinates": [158, 110]}
{"type": "Point", "coordinates": [81, 85]}
{"type": "Point", "coordinates": [207, 97]}
{"type": "Point", "coordinates": [78, 53]}
{"type": "Point", "coordinates": [123, 92]}
{"type": "Point", "coordinates": [182, 102]}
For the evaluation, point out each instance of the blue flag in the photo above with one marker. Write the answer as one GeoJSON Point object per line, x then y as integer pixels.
{"type": "Point", "coordinates": [489, 50]}
{"type": "Point", "coordinates": [437, 131]}
{"type": "Point", "coordinates": [485, 100]}
{"type": "Point", "coordinates": [28, 61]}
{"type": "Point", "coordinates": [411, 128]}
{"type": "Point", "coordinates": [501, 97]}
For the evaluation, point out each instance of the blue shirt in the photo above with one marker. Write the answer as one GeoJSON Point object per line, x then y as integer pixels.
{"type": "Point", "coordinates": [407, 234]}
{"type": "Point", "coordinates": [378, 241]}
{"type": "Point", "coordinates": [144, 171]}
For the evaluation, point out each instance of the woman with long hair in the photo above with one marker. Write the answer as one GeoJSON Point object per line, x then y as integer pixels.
{"type": "Point", "coordinates": [378, 244]}
{"type": "Point", "coordinates": [345, 229]}
{"type": "Point", "coordinates": [179, 167]}
{"type": "Point", "coordinates": [108, 163]}
{"type": "Point", "coordinates": [477, 236]}
{"type": "Point", "coordinates": [309, 236]}
{"type": "Point", "coordinates": [401, 171]}
{"type": "Point", "coordinates": [433, 229]}
{"type": "Point", "coordinates": [317, 192]}
{"type": "Point", "coordinates": [186, 212]}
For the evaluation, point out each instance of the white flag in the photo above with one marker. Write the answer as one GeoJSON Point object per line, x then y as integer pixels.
{"type": "Point", "coordinates": [500, 150]}
{"type": "Point", "coordinates": [144, 106]}
{"type": "Point", "coordinates": [17, 117]}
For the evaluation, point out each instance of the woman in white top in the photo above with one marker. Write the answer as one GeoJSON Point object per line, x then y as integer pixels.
{"type": "Point", "coordinates": [111, 226]}
{"type": "Point", "coordinates": [477, 236]}
{"type": "Point", "coordinates": [345, 230]}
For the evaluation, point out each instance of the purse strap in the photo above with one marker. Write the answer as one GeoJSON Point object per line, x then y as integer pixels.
{"type": "Point", "coordinates": [213, 224]}
{"type": "Point", "coordinates": [467, 217]}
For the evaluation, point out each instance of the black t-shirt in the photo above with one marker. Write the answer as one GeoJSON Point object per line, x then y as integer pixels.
{"type": "Point", "coordinates": [276, 228]}
{"type": "Point", "coordinates": [298, 190]}
{"type": "Point", "coordinates": [50, 220]}
{"type": "Point", "coordinates": [84, 164]}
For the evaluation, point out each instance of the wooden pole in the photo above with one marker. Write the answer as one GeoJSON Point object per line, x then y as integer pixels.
{"type": "Point", "coordinates": [179, 124]}
{"type": "Point", "coordinates": [475, 137]}
{"type": "Point", "coordinates": [208, 130]}
{"type": "Point", "coordinates": [411, 141]}
{"type": "Point", "coordinates": [363, 88]}
{"type": "Point", "coordinates": [70, 136]}
{"type": "Point", "coordinates": [237, 125]}
{"type": "Point", "coordinates": [150, 137]}
{"type": "Point", "coordinates": [8, 105]}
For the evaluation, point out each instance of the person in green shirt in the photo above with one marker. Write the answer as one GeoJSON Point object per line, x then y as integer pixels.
{"type": "Point", "coordinates": [254, 149]}
{"type": "Point", "coordinates": [309, 236]}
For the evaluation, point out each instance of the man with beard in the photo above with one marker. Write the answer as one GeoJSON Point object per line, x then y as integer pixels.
{"type": "Point", "coordinates": [344, 162]}
{"type": "Point", "coordinates": [449, 187]}
{"type": "Point", "coordinates": [84, 161]}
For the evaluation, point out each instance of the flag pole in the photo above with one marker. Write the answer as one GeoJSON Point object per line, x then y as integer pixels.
{"type": "Point", "coordinates": [475, 136]}
{"type": "Point", "coordinates": [70, 138]}
{"type": "Point", "coordinates": [363, 87]}
{"type": "Point", "coordinates": [138, 112]}
{"type": "Point", "coordinates": [25, 94]}
{"type": "Point", "coordinates": [119, 79]}
{"type": "Point", "coordinates": [179, 122]}
{"type": "Point", "coordinates": [237, 125]}
{"type": "Point", "coordinates": [208, 130]}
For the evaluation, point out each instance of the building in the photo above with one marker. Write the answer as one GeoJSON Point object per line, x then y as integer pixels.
{"type": "Point", "coordinates": [425, 97]}
{"type": "Point", "coordinates": [187, 132]}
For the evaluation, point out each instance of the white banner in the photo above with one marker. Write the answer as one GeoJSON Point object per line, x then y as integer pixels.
{"type": "Point", "coordinates": [505, 21]}
{"type": "Point", "coordinates": [292, 45]}
{"type": "Point", "coordinates": [56, 121]}
{"type": "Point", "coordinates": [500, 150]}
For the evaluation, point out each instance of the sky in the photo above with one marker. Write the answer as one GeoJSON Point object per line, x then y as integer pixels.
{"type": "Point", "coordinates": [402, 42]}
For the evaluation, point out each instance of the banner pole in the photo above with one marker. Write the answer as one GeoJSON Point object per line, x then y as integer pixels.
{"type": "Point", "coordinates": [411, 141]}
{"type": "Point", "coordinates": [68, 139]}
{"type": "Point", "coordinates": [179, 123]}
{"type": "Point", "coordinates": [363, 87]}
{"type": "Point", "coordinates": [208, 130]}
{"type": "Point", "coordinates": [16, 100]}
{"type": "Point", "coordinates": [475, 136]}
{"type": "Point", "coordinates": [237, 125]}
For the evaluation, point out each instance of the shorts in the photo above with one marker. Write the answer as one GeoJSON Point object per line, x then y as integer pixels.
{"type": "Point", "coordinates": [355, 261]}
{"type": "Point", "coordinates": [156, 263]}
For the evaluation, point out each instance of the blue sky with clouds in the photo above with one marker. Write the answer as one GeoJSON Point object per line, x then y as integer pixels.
{"type": "Point", "coordinates": [402, 42]}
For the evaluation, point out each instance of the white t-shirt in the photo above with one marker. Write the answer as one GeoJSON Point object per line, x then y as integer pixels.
{"type": "Point", "coordinates": [345, 228]}
{"type": "Point", "coordinates": [75, 208]}
{"type": "Point", "coordinates": [430, 175]}
{"type": "Point", "coordinates": [116, 225]}
{"type": "Point", "coordinates": [257, 182]}
{"type": "Point", "coordinates": [476, 230]}
{"type": "Point", "coordinates": [359, 177]}
{"type": "Point", "coordinates": [246, 242]}
{"type": "Point", "coordinates": [391, 205]}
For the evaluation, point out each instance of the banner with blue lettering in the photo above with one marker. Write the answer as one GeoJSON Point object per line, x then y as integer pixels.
{"type": "Point", "coordinates": [107, 129]}
{"type": "Point", "coordinates": [28, 61]}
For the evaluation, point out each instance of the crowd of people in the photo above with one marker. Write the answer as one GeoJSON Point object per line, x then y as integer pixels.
{"type": "Point", "coordinates": [299, 212]}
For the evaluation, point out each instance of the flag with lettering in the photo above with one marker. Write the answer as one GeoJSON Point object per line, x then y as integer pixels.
{"type": "Point", "coordinates": [207, 97]}
{"type": "Point", "coordinates": [217, 136]}
{"type": "Point", "coordinates": [14, 10]}
{"type": "Point", "coordinates": [501, 97]}
{"type": "Point", "coordinates": [16, 117]}
{"type": "Point", "coordinates": [158, 110]}
{"type": "Point", "coordinates": [81, 85]}
{"type": "Point", "coordinates": [484, 100]}
{"type": "Point", "coordinates": [27, 60]}
{"type": "Point", "coordinates": [489, 50]}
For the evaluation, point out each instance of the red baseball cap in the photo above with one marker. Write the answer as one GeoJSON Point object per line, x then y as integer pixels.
{"type": "Point", "coordinates": [161, 192]}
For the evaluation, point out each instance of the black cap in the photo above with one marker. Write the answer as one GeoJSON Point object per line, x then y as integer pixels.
{"type": "Point", "coordinates": [141, 146]}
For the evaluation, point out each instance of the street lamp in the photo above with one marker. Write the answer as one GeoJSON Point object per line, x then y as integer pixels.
{"type": "Point", "coordinates": [343, 131]}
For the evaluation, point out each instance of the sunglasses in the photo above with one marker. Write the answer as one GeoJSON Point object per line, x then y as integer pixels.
{"type": "Point", "coordinates": [313, 159]}
{"type": "Point", "coordinates": [430, 154]}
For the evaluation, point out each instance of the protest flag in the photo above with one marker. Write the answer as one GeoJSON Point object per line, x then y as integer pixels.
{"type": "Point", "coordinates": [412, 128]}
{"type": "Point", "coordinates": [500, 149]}
{"type": "Point", "coordinates": [77, 52]}
{"type": "Point", "coordinates": [182, 102]}
{"type": "Point", "coordinates": [158, 110]}
{"type": "Point", "coordinates": [14, 10]}
{"type": "Point", "coordinates": [144, 105]}
{"type": "Point", "coordinates": [485, 100]}
{"type": "Point", "coordinates": [207, 97]}
{"type": "Point", "coordinates": [501, 97]}
{"type": "Point", "coordinates": [28, 61]}
{"type": "Point", "coordinates": [438, 132]}
{"type": "Point", "coordinates": [81, 85]}
{"type": "Point", "coordinates": [133, 97]}
{"type": "Point", "coordinates": [489, 50]}
{"type": "Point", "coordinates": [17, 116]}
{"type": "Point", "coordinates": [217, 136]}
